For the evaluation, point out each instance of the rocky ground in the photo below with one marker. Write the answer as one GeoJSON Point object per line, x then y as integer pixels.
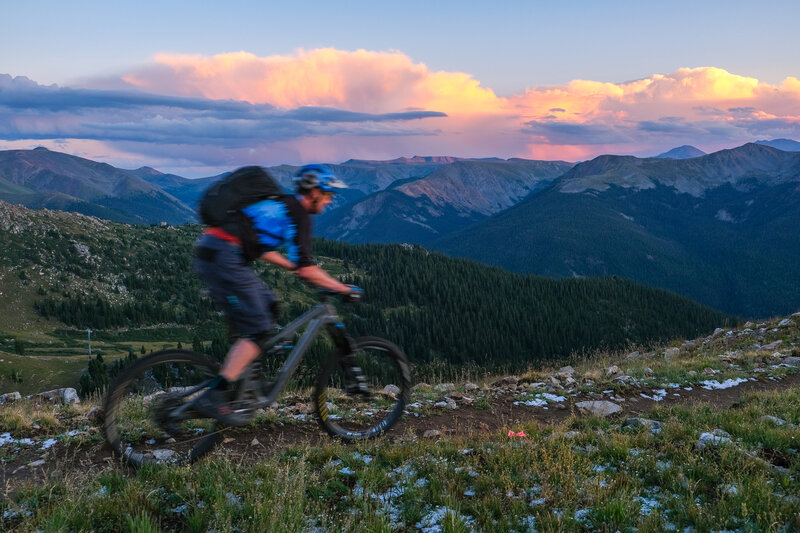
{"type": "Point", "coordinates": [39, 439]}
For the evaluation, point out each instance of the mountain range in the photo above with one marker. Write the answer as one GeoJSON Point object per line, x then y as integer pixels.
{"type": "Point", "coordinates": [720, 227]}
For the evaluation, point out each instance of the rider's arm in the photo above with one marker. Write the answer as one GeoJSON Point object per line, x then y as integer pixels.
{"type": "Point", "coordinates": [316, 276]}
{"type": "Point", "coordinates": [277, 259]}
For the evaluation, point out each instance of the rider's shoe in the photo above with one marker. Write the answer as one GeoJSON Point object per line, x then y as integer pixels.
{"type": "Point", "coordinates": [356, 383]}
{"type": "Point", "coordinates": [216, 404]}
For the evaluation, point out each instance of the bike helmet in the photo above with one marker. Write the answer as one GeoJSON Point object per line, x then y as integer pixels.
{"type": "Point", "coordinates": [312, 176]}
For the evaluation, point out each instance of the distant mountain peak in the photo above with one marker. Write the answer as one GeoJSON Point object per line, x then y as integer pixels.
{"type": "Point", "coordinates": [40, 149]}
{"type": "Point", "coordinates": [787, 145]}
{"type": "Point", "coordinates": [681, 152]}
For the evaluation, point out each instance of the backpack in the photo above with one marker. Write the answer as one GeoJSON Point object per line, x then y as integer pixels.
{"type": "Point", "coordinates": [221, 204]}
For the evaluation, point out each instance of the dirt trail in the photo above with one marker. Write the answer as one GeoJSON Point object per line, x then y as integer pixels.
{"type": "Point", "coordinates": [502, 414]}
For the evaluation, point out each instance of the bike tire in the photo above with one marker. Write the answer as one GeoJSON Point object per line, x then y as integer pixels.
{"type": "Point", "coordinates": [135, 424]}
{"type": "Point", "coordinates": [353, 417]}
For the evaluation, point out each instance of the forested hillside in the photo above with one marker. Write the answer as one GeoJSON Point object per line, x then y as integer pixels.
{"type": "Point", "coordinates": [88, 273]}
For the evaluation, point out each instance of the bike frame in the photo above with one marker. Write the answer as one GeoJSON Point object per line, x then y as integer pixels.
{"type": "Point", "coordinates": [321, 316]}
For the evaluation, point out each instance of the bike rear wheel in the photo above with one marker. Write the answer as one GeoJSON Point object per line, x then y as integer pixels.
{"type": "Point", "coordinates": [147, 416]}
{"type": "Point", "coordinates": [359, 407]}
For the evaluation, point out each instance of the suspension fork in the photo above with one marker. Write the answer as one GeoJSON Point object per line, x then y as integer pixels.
{"type": "Point", "coordinates": [345, 345]}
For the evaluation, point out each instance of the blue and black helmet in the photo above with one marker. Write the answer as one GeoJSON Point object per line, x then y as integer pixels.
{"type": "Point", "coordinates": [313, 176]}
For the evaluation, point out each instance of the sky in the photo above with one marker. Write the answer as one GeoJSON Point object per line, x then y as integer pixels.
{"type": "Point", "coordinates": [198, 88]}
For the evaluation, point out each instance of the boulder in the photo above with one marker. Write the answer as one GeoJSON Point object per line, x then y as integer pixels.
{"type": "Point", "coordinates": [600, 408]}
{"type": "Point", "coordinates": [67, 395]}
{"type": "Point", "coordinates": [792, 361]}
{"type": "Point", "coordinates": [471, 386]}
{"type": "Point", "coordinates": [612, 371]}
{"type": "Point", "coordinates": [10, 397]}
{"type": "Point", "coordinates": [432, 434]}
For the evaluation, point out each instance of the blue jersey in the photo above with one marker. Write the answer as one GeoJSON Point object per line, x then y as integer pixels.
{"type": "Point", "coordinates": [283, 222]}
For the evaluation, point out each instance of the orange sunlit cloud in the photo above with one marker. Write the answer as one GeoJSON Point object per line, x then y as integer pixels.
{"type": "Point", "coordinates": [575, 120]}
{"type": "Point", "coordinates": [215, 112]}
{"type": "Point", "coordinates": [364, 81]}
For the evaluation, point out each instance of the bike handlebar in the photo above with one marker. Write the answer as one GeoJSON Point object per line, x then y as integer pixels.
{"type": "Point", "coordinates": [352, 297]}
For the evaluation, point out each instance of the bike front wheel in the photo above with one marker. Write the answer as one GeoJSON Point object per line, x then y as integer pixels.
{"type": "Point", "coordinates": [148, 414]}
{"type": "Point", "coordinates": [362, 395]}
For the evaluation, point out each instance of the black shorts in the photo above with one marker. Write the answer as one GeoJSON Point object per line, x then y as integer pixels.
{"type": "Point", "coordinates": [243, 297]}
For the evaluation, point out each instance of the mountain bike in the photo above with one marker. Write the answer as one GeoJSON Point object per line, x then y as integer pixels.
{"type": "Point", "coordinates": [359, 393]}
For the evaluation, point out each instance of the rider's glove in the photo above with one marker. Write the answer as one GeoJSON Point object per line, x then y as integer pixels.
{"type": "Point", "coordinates": [354, 296]}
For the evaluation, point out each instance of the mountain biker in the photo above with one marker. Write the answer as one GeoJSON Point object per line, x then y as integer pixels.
{"type": "Point", "coordinates": [246, 300]}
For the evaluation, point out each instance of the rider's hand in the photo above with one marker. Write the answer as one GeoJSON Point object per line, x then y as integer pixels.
{"type": "Point", "coordinates": [354, 295]}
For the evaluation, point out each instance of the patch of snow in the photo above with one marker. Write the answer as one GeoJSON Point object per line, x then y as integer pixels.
{"type": "Point", "coordinates": [712, 384]}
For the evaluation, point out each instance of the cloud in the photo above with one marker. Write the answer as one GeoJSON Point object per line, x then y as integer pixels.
{"type": "Point", "coordinates": [329, 104]}
{"type": "Point", "coordinates": [361, 80]}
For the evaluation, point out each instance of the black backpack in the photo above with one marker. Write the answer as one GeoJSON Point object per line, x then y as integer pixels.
{"type": "Point", "coordinates": [221, 204]}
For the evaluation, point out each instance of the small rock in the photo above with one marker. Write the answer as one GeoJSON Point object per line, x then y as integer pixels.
{"type": "Point", "coordinates": [748, 325]}
{"type": "Point", "coordinates": [432, 434]}
{"type": "Point", "coordinates": [444, 387]}
{"type": "Point", "coordinates": [648, 371]}
{"type": "Point", "coordinates": [671, 353]}
{"type": "Point", "coordinates": [627, 380]}
{"type": "Point", "coordinates": [254, 442]}
{"type": "Point", "coordinates": [717, 333]}
{"type": "Point", "coordinates": [708, 371]}
{"type": "Point", "coordinates": [792, 361]}
{"type": "Point", "coordinates": [228, 440]}
{"type": "Point", "coordinates": [785, 322]}
{"type": "Point", "coordinates": [506, 381]}
{"type": "Point", "coordinates": [40, 462]}
{"type": "Point", "coordinates": [391, 390]}
{"type": "Point", "coordinates": [421, 386]}
{"type": "Point", "coordinates": [715, 438]}
{"type": "Point", "coordinates": [471, 386]}
{"type": "Point", "coordinates": [95, 414]}
{"type": "Point", "coordinates": [653, 425]}
{"type": "Point", "coordinates": [632, 355]}
{"type": "Point", "coordinates": [691, 373]}
{"type": "Point", "coordinates": [775, 420]}
{"type": "Point", "coordinates": [772, 346]}
{"type": "Point", "coordinates": [570, 382]}
{"type": "Point", "coordinates": [565, 371]}
{"type": "Point", "coordinates": [601, 408]}
{"type": "Point", "coordinates": [553, 381]}
{"type": "Point", "coordinates": [163, 455]}
{"type": "Point", "coordinates": [612, 371]}
{"type": "Point", "coordinates": [460, 398]}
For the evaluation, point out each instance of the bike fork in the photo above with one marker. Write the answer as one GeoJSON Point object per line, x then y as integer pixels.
{"type": "Point", "coordinates": [356, 382]}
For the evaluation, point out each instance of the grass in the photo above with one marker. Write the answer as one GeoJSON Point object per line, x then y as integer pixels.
{"type": "Point", "coordinates": [606, 478]}
{"type": "Point", "coordinates": [584, 474]}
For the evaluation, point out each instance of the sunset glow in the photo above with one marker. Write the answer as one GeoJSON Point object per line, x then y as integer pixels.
{"type": "Point", "coordinates": [327, 104]}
